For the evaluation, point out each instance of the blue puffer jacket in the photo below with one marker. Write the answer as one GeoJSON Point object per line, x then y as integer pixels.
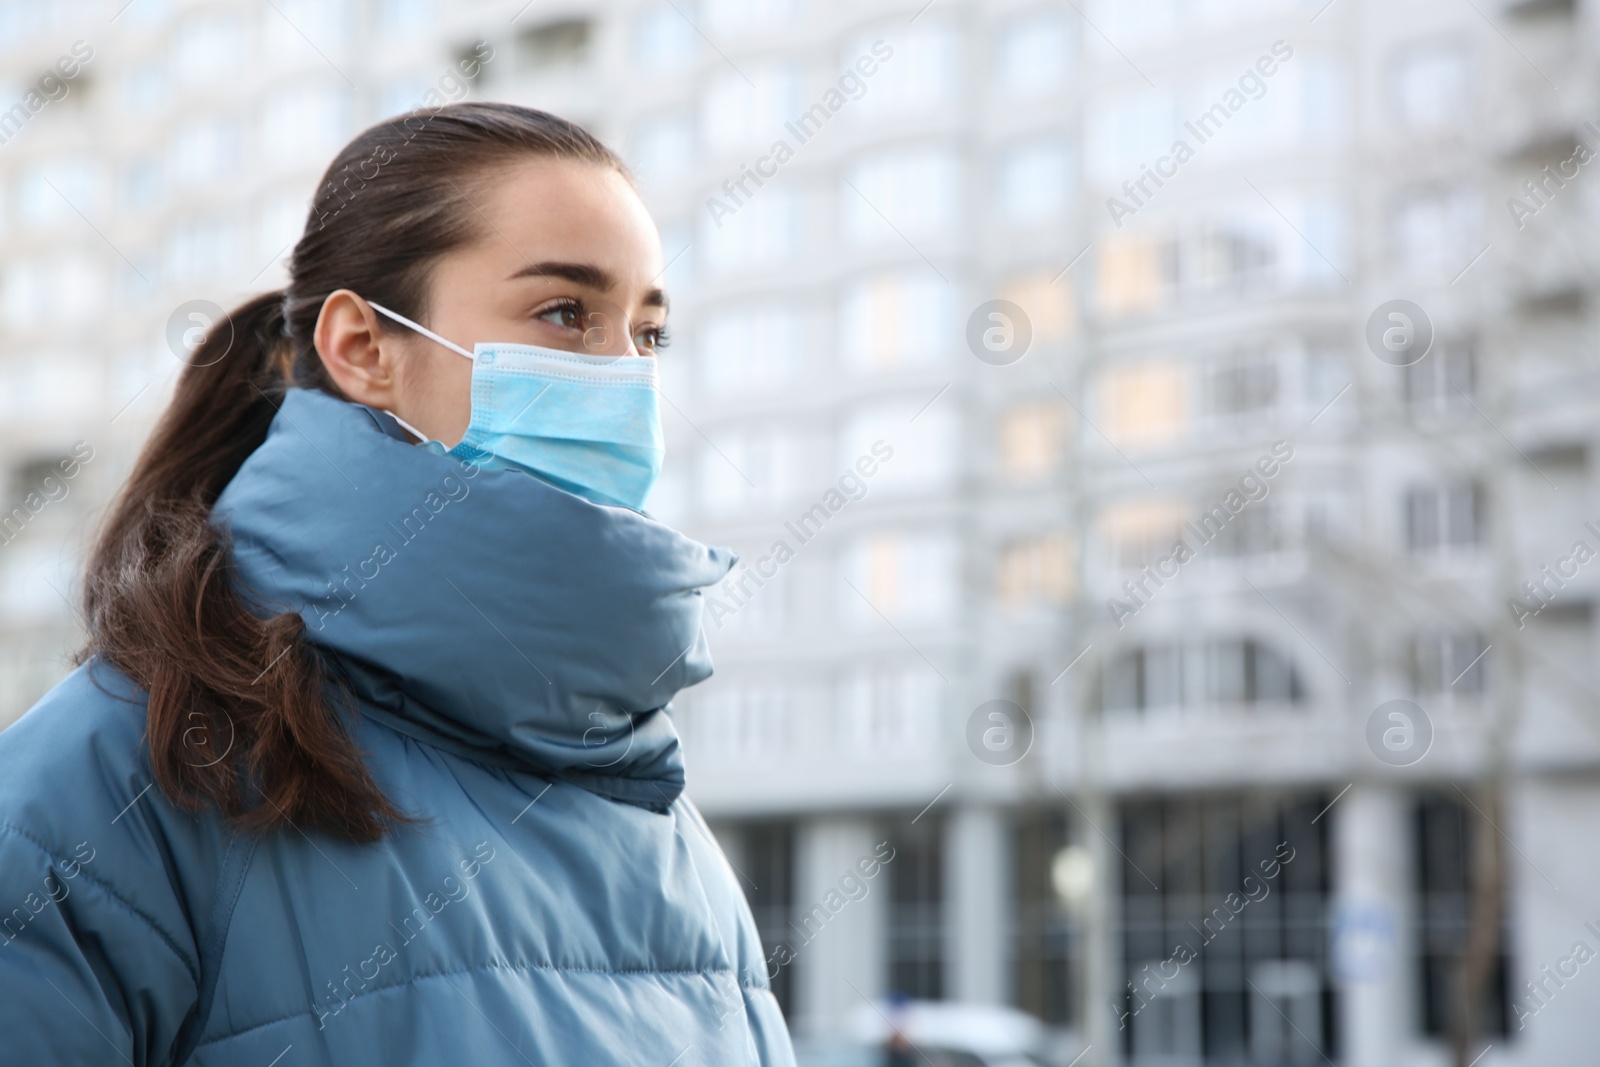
{"type": "Point", "coordinates": [513, 648]}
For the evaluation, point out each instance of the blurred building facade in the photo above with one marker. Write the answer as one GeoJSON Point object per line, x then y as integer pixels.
{"type": "Point", "coordinates": [979, 730]}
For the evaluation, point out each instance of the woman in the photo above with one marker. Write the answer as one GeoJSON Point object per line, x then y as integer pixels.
{"type": "Point", "coordinates": [367, 758]}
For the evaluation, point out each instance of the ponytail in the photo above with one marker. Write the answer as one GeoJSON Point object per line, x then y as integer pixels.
{"type": "Point", "coordinates": [239, 713]}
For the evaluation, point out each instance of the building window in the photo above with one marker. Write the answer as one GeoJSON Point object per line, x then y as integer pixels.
{"type": "Point", "coordinates": [663, 147]}
{"type": "Point", "coordinates": [1431, 84]}
{"type": "Point", "coordinates": [760, 231]}
{"type": "Point", "coordinates": [927, 452]}
{"type": "Point", "coordinates": [751, 349]}
{"type": "Point", "coordinates": [1241, 385]}
{"type": "Point", "coordinates": [916, 953]}
{"type": "Point", "coordinates": [1144, 404]}
{"type": "Point", "coordinates": [894, 319]}
{"type": "Point", "coordinates": [737, 113]}
{"type": "Point", "coordinates": [1234, 255]}
{"type": "Point", "coordinates": [740, 16]}
{"type": "Point", "coordinates": [1255, 531]}
{"type": "Point", "coordinates": [1047, 299]}
{"type": "Point", "coordinates": [1045, 945]}
{"type": "Point", "coordinates": [1034, 181]}
{"type": "Point", "coordinates": [910, 193]}
{"type": "Point", "coordinates": [907, 577]}
{"type": "Point", "coordinates": [1445, 663]}
{"type": "Point", "coordinates": [1445, 378]}
{"type": "Point", "coordinates": [923, 73]}
{"type": "Point", "coordinates": [1238, 887]}
{"type": "Point", "coordinates": [1440, 518]}
{"type": "Point", "coordinates": [736, 724]}
{"type": "Point", "coordinates": [1446, 865]}
{"type": "Point", "coordinates": [1031, 440]}
{"type": "Point", "coordinates": [768, 880]}
{"type": "Point", "coordinates": [663, 37]}
{"type": "Point", "coordinates": [1136, 274]}
{"type": "Point", "coordinates": [1036, 570]}
{"type": "Point", "coordinates": [1203, 674]}
{"type": "Point", "coordinates": [1033, 53]}
{"type": "Point", "coordinates": [1137, 532]}
{"type": "Point", "coordinates": [889, 712]}
{"type": "Point", "coordinates": [1435, 230]}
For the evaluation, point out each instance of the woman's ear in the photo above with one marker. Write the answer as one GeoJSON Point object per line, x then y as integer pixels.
{"type": "Point", "coordinates": [358, 358]}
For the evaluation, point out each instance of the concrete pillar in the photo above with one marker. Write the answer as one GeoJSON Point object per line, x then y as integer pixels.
{"type": "Point", "coordinates": [977, 878]}
{"type": "Point", "coordinates": [1371, 844]}
{"type": "Point", "coordinates": [839, 942]}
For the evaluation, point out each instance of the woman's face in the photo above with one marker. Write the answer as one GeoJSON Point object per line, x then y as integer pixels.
{"type": "Point", "coordinates": [568, 258]}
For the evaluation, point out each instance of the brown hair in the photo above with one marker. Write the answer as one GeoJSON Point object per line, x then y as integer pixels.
{"type": "Point", "coordinates": [241, 709]}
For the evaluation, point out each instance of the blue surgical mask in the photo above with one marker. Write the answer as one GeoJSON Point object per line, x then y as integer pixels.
{"type": "Point", "coordinates": [588, 424]}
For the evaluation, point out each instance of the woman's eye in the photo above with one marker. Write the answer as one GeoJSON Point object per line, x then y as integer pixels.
{"type": "Point", "coordinates": [567, 316]}
{"type": "Point", "coordinates": [652, 339]}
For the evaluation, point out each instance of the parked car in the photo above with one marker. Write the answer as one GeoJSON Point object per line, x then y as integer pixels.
{"type": "Point", "coordinates": [939, 1034]}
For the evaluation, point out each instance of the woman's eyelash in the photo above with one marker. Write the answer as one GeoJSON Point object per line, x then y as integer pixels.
{"type": "Point", "coordinates": [663, 337]}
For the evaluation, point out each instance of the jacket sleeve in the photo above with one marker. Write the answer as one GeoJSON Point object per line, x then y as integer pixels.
{"type": "Point", "coordinates": [86, 976]}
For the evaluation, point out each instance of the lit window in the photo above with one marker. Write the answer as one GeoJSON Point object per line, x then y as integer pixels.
{"type": "Point", "coordinates": [891, 320]}
{"type": "Point", "coordinates": [1047, 299]}
{"type": "Point", "coordinates": [1432, 84]}
{"type": "Point", "coordinates": [1031, 439]}
{"type": "Point", "coordinates": [1036, 570]}
{"type": "Point", "coordinates": [1137, 273]}
{"type": "Point", "coordinates": [911, 578]}
{"type": "Point", "coordinates": [1137, 532]}
{"type": "Point", "coordinates": [1444, 517]}
{"type": "Point", "coordinates": [1034, 180]}
{"type": "Point", "coordinates": [914, 192]}
{"type": "Point", "coordinates": [1033, 53]}
{"type": "Point", "coordinates": [1144, 404]}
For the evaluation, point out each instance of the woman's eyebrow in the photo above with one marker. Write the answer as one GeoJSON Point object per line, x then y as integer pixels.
{"type": "Point", "coordinates": [586, 274]}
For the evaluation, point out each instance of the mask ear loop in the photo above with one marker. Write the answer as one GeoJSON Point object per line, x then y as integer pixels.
{"type": "Point", "coordinates": [424, 331]}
